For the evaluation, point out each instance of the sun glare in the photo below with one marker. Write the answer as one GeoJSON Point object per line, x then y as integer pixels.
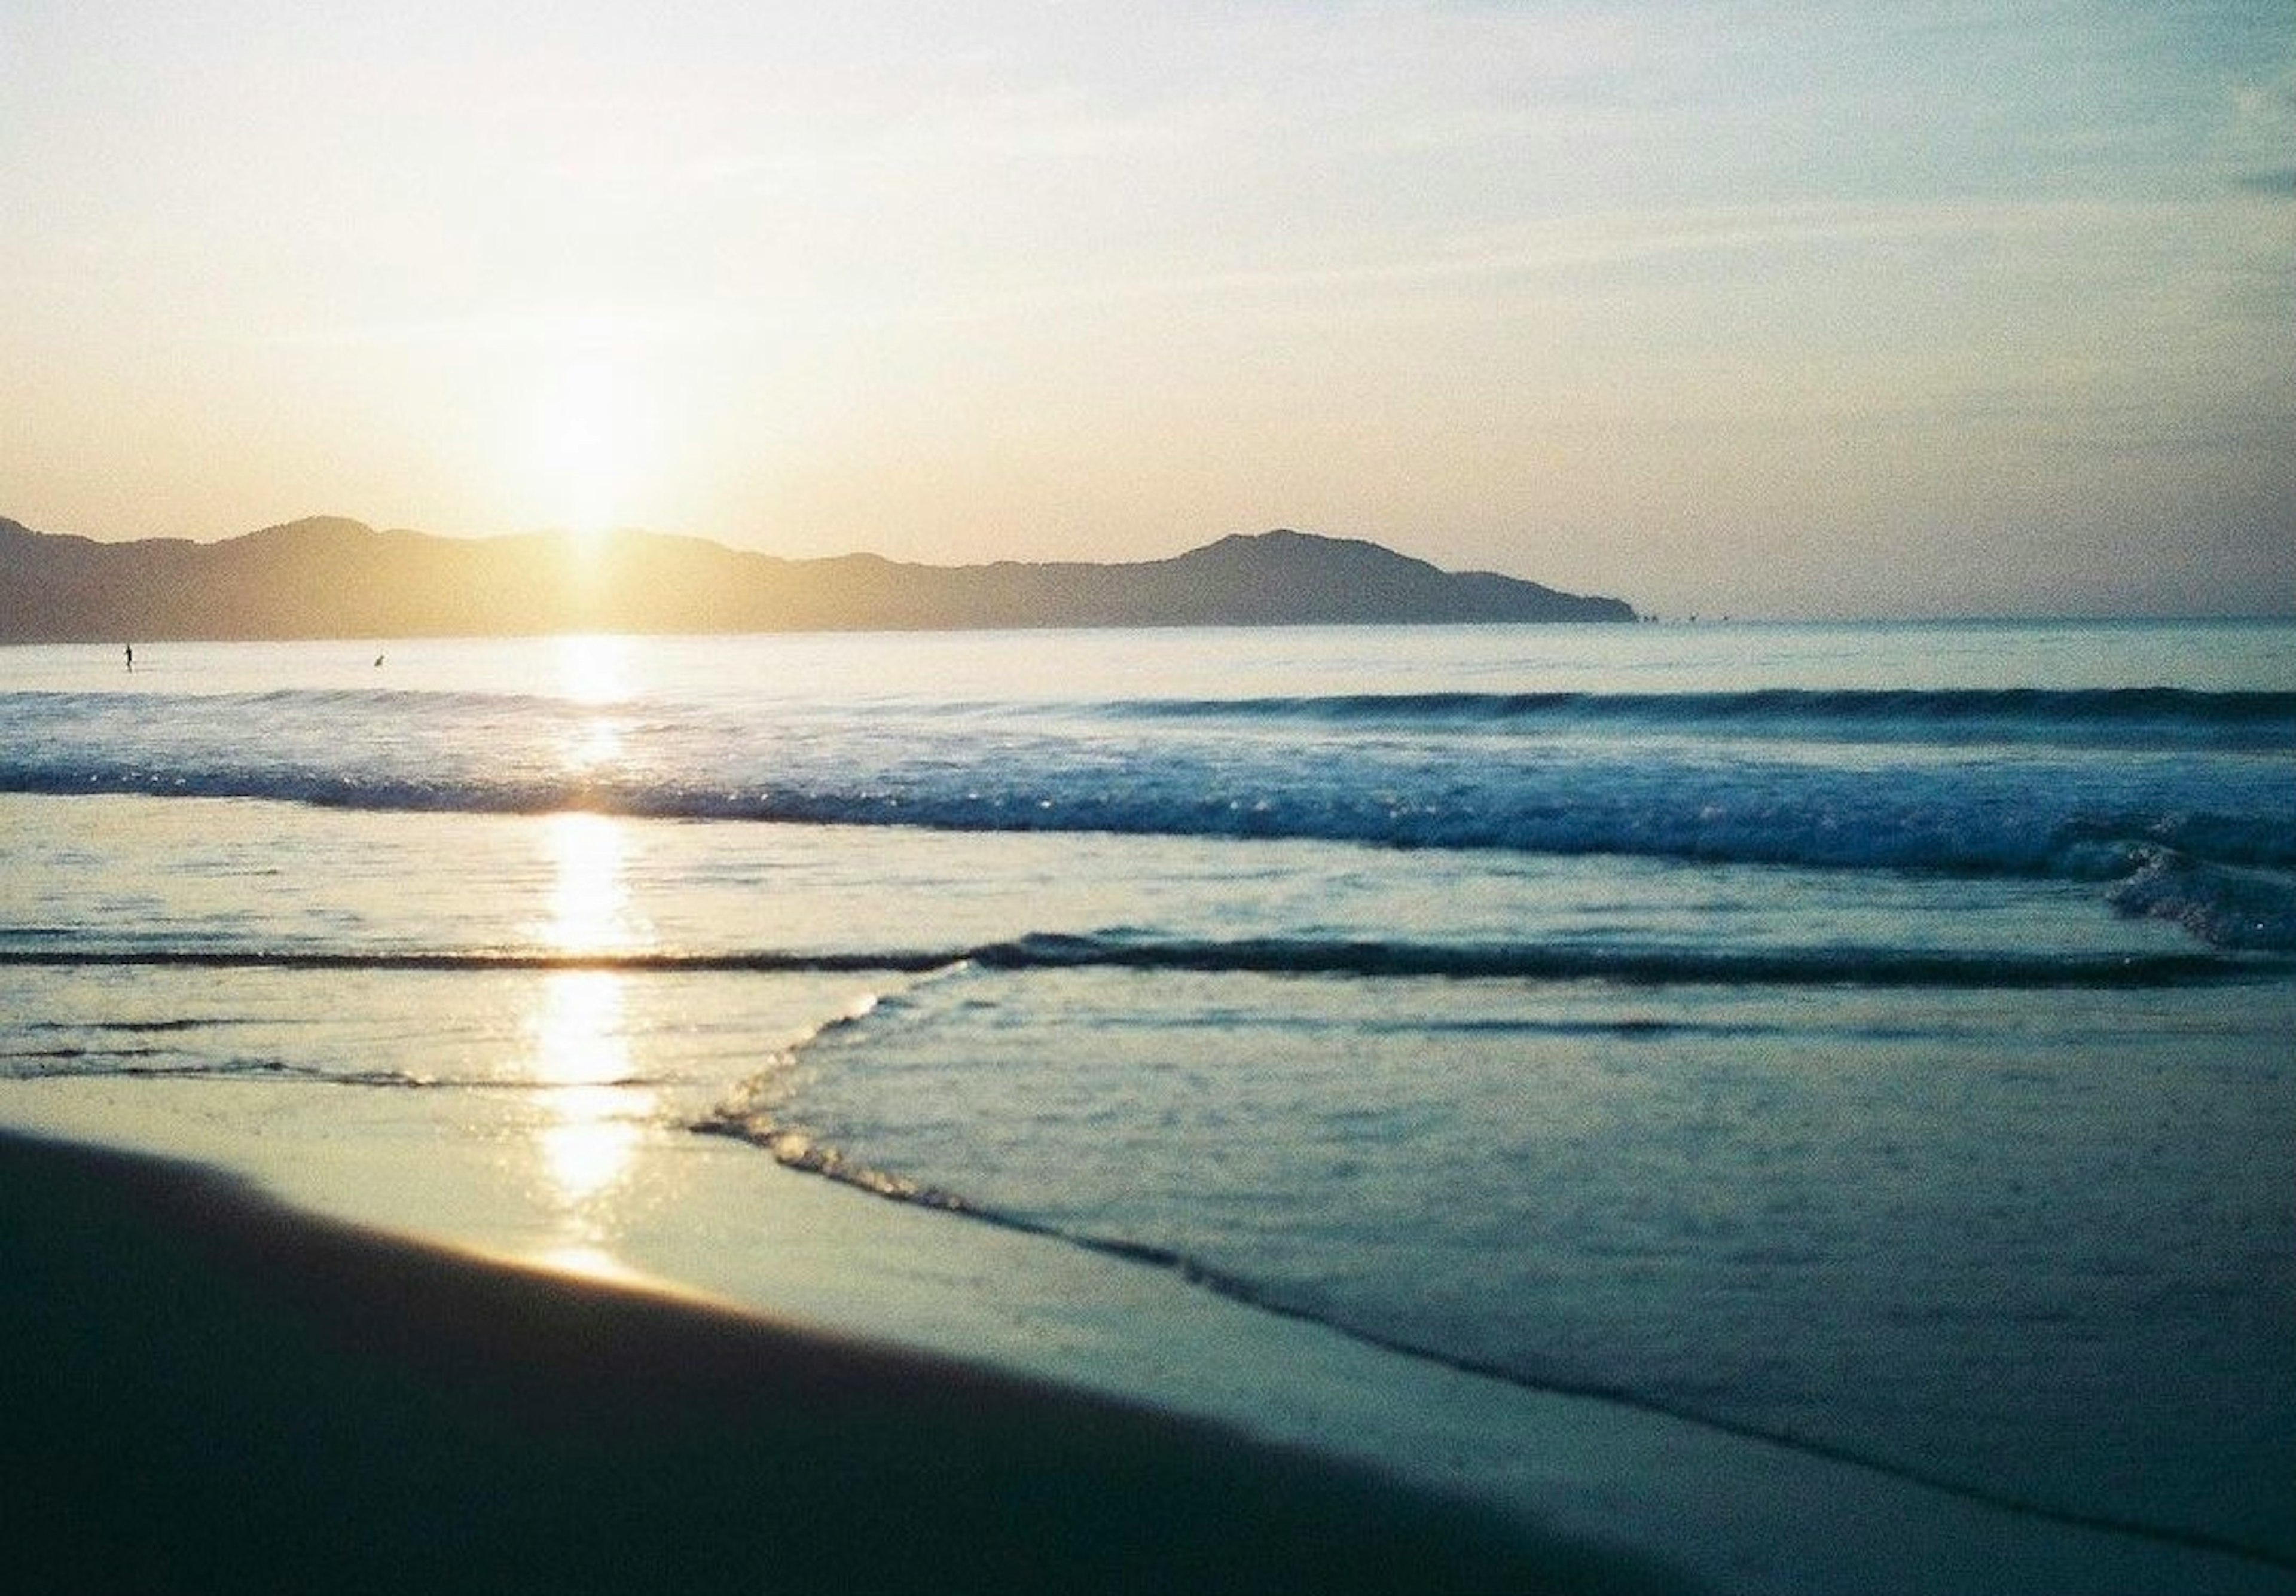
{"type": "Point", "coordinates": [589, 435]}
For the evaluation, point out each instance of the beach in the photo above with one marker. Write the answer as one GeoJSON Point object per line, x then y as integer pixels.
{"type": "Point", "coordinates": [155, 1303]}
{"type": "Point", "coordinates": [207, 1392]}
{"type": "Point", "coordinates": [1786, 1110]}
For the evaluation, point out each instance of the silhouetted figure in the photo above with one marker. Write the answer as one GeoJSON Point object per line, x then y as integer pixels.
{"type": "Point", "coordinates": [378, 662]}
{"type": "Point", "coordinates": [131, 656]}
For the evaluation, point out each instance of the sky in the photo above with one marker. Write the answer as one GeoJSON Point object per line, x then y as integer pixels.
{"type": "Point", "coordinates": [1932, 307]}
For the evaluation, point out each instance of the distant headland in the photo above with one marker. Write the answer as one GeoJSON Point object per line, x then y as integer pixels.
{"type": "Point", "coordinates": [331, 577]}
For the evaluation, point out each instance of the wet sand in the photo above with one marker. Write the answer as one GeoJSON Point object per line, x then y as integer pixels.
{"type": "Point", "coordinates": [207, 1391]}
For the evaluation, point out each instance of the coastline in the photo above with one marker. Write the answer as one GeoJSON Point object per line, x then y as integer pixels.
{"type": "Point", "coordinates": [900, 1299]}
{"type": "Point", "coordinates": [209, 1391]}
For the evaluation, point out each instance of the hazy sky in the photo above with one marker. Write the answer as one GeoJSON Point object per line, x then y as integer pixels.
{"type": "Point", "coordinates": [1917, 307]}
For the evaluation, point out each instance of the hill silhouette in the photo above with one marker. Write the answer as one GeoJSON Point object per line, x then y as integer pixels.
{"type": "Point", "coordinates": [328, 577]}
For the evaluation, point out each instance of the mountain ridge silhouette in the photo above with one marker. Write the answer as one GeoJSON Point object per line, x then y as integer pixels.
{"type": "Point", "coordinates": [327, 577]}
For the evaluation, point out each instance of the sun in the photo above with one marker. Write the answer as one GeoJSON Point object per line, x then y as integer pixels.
{"type": "Point", "coordinates": [589, 436]}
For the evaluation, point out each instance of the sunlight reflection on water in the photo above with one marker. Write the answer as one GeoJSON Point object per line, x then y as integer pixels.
{"type": "Point", "coordinates": [594, 667]}
{"type": "Point", "coordinates": [582, 1050]}
{"type": "Point", "coordinates": [581, 1031]}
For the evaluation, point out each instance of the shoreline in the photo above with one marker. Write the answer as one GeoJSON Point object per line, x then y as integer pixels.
{"type": "Point", "coordinates": [208, 1390]}
{"type": "Point", "coordinates": [1633, 1497]}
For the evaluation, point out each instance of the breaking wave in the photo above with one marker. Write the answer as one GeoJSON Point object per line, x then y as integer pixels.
{"type": "Point", "coordinates": [2150, 718]}
{"type": "Point", "coordinates": [2181, 803]}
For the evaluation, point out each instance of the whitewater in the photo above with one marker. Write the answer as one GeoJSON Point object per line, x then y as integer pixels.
{"type": "Point", "coordinates": [1872, 1039]}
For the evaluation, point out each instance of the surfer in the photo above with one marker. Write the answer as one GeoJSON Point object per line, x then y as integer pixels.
{"type": "Point", "coordinates": [131, 656]}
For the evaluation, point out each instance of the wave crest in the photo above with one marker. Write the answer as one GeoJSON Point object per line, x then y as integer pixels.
{"type": "Point", "coordinates": [2146, 717]}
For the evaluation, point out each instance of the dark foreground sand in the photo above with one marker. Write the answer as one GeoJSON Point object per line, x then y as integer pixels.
{"type": "Point", "coordinates": [202, 1391]}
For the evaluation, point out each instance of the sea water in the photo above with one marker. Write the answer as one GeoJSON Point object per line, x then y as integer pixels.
{"type": "Point", "coordinates": [1874, 1038]}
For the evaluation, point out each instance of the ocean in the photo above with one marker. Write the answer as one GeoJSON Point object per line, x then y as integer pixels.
{"type": "Point", "coordinates": [1875, 1039]}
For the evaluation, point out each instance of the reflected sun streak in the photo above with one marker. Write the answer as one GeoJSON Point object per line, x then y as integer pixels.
{"type": "Point", "coordinates": [580, 1033]}
{"type": "Point", "coordinates": [589, 899]}
{"type": "Point", "coordinates": [581, 1050]}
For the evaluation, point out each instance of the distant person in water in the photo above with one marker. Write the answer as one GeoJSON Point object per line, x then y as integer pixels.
{"type": "Point", "coordinates": [131, 656]}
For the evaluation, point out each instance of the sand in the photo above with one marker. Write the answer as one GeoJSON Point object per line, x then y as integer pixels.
{"type": "Point", "coordinates": [90, 1350]}
{"type": "Point", "coordinates": [207, 1391]}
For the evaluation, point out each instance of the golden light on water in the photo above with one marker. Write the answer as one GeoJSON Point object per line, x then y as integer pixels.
{"type": "Point", "coordinates": [589, 891]}
{"type": "Point", "coordinates": [580, 1030]}
{"type": "Point", "coordinates": [597, 746]}
{"type": "Point", "coordinates": [582, 1046]}
{"type": "Point", "coordinates": [594, 667]}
